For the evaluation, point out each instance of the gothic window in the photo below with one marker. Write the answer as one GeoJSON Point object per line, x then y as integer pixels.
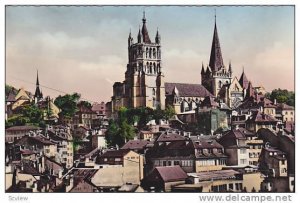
{"type": "Point", "coordinates": [150, 53]}
{"type": "Point", "coordinates": [147, 52]}
{"type": "Point", "coordinates": [140, 51]}
{"type": "Point", "coordinates": [147, 67]}
{"type": "Point", "coordinates": [150, 67]}
{"type": "Point", "coordinates": [158, 67]}
{"type": "Point", "coordinates": [154, 53]}
{"type": "Point", "coordinates": [140, 67]}
{"type": "Point", "coordinates": [154, 68]}
{"type": "Point", "coordinates": [220, 84]}
{"type": "Point", "coordinates": [153, 92]}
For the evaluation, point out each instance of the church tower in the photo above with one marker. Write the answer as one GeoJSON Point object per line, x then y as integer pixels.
{"type": "Point", "coordinates": [38, 95]}
{"type": "Point", "coordinates": [144, 80]}
{"type": "Point", "coordinates": [216, 75]}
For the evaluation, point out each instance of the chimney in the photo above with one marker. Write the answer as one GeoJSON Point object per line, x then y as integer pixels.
{"type": "Point", "coordinates": [275, 101]}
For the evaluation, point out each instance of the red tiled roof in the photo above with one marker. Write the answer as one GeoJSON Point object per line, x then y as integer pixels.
{"type": "Point", "coordinates": [260, 117]}
{"type": "Point", "coordinates": [206, 144]}
{"type": "Point", "coordinates": [135, 144]}
{"type": "Point", "coordinates": [25, 127]}
{"type": "Point", "coordinates": [115, 153]}
{"type": "Point", "coordinates": [170, 137]}
{"type": "Point", "coordinates": [187, 90]}
{"type": "Point", "coordinates": [171, 173]}
{"type": "Point", "coordinates": [283, 106]}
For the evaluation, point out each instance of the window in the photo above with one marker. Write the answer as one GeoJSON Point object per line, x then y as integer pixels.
{"type": "Point", "coordinates": [117, 159]}
{"type": "Point", "coordinates": [292, 113]}
{"type": "Point", "coordinates": [243, 161]}
{"type": "Point", "coordinates": [164, 163]}
{"type": "Point", "coordinates": [283, 162]}
{"type": "Point", "coordinates": [176, 162]}
{"type": "Point", "coordinates": [105, 159]}
{"type": "Point", "coordinates": [243, 151]}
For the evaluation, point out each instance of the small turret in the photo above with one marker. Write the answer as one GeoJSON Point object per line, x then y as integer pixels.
{"type": "Point", "coordinates": [139, 37]}
{"type": "Point", "coordinates": [157, 37]}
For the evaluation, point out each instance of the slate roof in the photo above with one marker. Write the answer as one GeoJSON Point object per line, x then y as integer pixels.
{"type": "Point", "coordinates": [145, 34]}
{"type": "Point", "coordinates": [171, 173]}
{"type": "Point", "coordinates": [244, 82]}
{"type": "Point", "coordinates": [187, 90]}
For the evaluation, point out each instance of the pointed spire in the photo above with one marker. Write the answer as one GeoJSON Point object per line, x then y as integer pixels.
{"type": "Point", "coordinates": [244, 82]}
{"type": "Point", "coordinates": [37, 78]}
{"type": "Point", "coordinates": [250, 91]}
{"type": "Point", "coordinates": [202, 69]}
{"type": "Point", "coordinates": [38, 94]}
{"type": "Point", "coordinates": [216, 60]}
{"type": "Point", "coordinates": [145, 34]}
{"type": "Point", "coordinates": [130, 40]}
{"type": "Point", "coordinates": [157, 37]}
{"type": "Point", "coordinates": [139, 35]}
{"type": "Point", "coordinates": [230, 68]}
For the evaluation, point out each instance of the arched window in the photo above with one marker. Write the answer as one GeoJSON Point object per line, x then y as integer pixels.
{"type": "Point", "coordinates": [154, 68]}
{"type": "Point", "coordinates": [151, 67]}
{"type": "Point", "coordinates": [147, 52]}
{"type": "Point", "coordinates": [154, 53]}
{"type": "Point", "coordinates": [158, 67]}
{"type": "Point", "coordinates": [220, 84]}
{"type": "Point", "coordinates": [150, 53]}
{"type": "Point", "coordinates": [153, 92]}
{"type": "Point", "coordinates": [147, 66]}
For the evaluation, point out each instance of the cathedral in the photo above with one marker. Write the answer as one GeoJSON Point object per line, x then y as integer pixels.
{"type": "Point", "coordinates": [144, 79]}
{"type": "Point", "coordinates": [144, 84]}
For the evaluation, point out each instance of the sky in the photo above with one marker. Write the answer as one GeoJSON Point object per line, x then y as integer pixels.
{"type": "Point", "coordinates": [84, 49]}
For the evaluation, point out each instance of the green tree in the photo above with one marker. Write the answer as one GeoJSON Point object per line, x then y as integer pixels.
{"type": "Point", "coordinates": [282, 96]}
{"type": "Point", "coordinates": [68, 104]}
{"type": "Point", "coordinates": [169, 112]}
{"type": "Point", "coordinates": [29, 115]}
{"type": "Point", "coordinates": [126, 132]}
{"type": "Point", "coordinates": [111, 134]}
{"type": "Point", "coordinates": [85, 103]}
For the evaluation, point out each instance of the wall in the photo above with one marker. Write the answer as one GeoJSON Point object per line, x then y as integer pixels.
{"type": "Point", "coordinates": [252, 180]}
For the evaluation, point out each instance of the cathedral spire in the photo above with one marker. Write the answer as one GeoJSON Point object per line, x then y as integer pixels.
{"type": "Point", "coordinates": [216, 60]}
{"type": "Point", "coordinates": [145, 34]}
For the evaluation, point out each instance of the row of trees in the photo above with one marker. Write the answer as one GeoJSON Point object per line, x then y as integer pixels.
{"type": "Point", "coordinates": [282, 96]}
{"type": "Point", "coordinates": [122, 129]}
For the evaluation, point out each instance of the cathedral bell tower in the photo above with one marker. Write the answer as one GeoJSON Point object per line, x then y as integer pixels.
{"type": "Point", "coordinates": [216, 75]}
{"type": "Point", "coordinates": [144, 80]}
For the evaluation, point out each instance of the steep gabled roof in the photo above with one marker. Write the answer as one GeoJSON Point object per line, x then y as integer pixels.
{"type": "Point", "coordinates": [244, 82]}
{"type": "Point", "coordinates": [171, 173]}
{"type": "Point", "coordinates": [187, 90]}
